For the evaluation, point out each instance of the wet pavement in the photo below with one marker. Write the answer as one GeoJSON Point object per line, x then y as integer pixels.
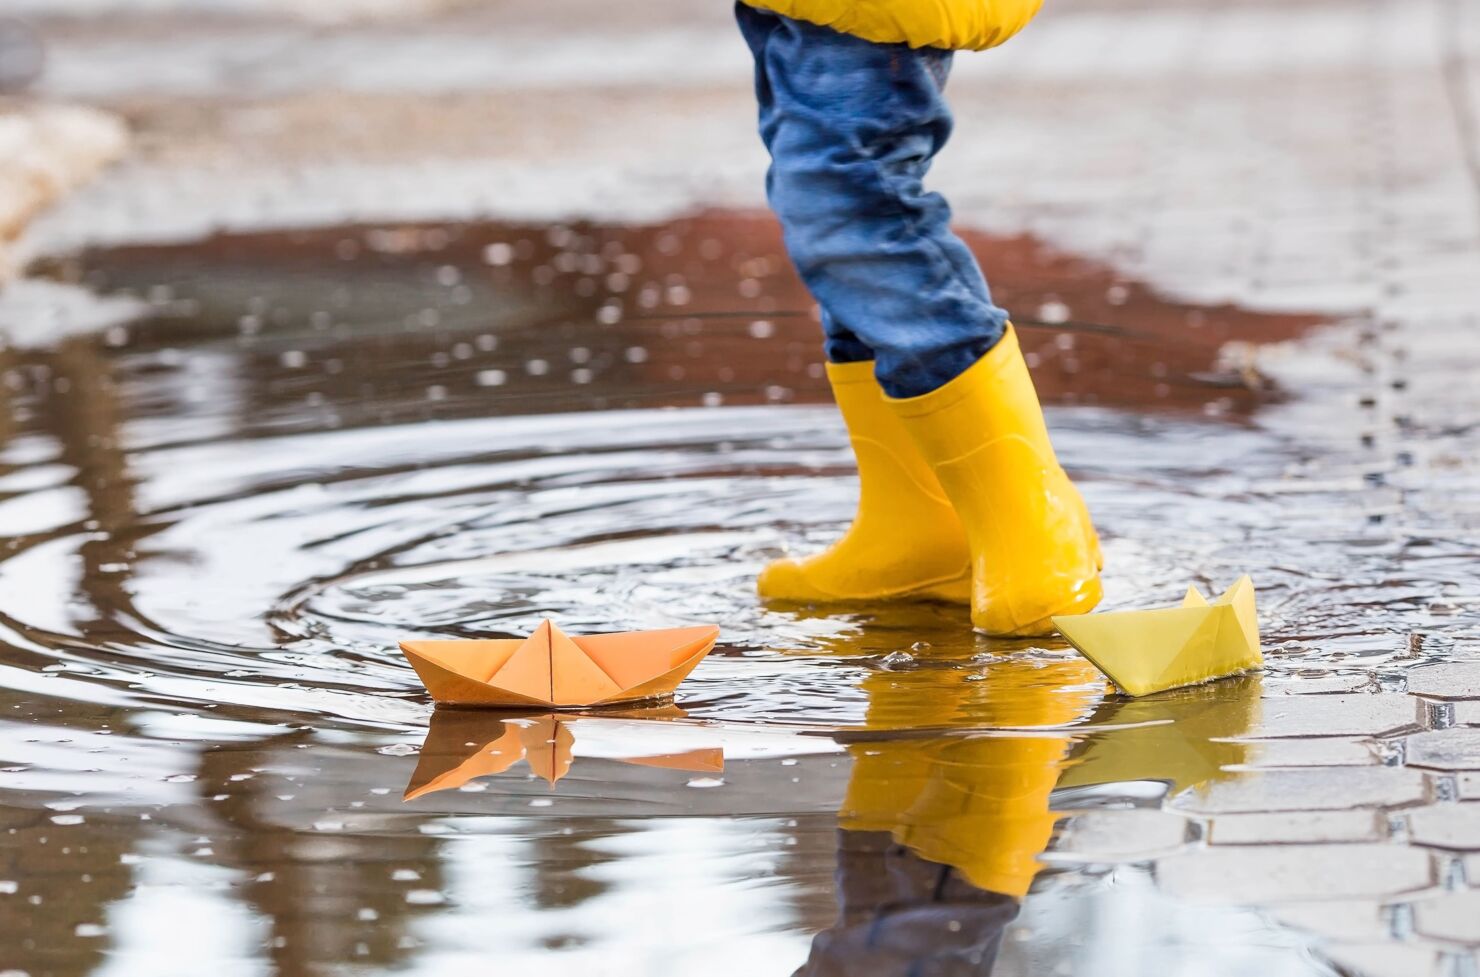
{"type": "Point", "coordinates": [279, 451]}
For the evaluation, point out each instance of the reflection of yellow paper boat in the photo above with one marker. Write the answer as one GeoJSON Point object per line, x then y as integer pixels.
{"type": "Point", "coordinates": [1187, 738]}
{"type": "Point", "coordinates": [463, 747]}
{"type": "Point", "coordinates": [553, 670]}
{"type": "Point", "coordinates": [1152, 651]}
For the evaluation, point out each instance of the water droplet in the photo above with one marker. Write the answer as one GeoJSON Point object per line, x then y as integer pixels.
{"type": "Point", "coordinates": [1053, 311]}
{"type": "Point", "coordinates": [896, 660]}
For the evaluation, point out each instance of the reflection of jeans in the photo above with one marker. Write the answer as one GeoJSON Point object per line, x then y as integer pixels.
{"type": "Point", "coordinates": [901, 916]}
{"type": "Point", "coordinates": [852, 127]}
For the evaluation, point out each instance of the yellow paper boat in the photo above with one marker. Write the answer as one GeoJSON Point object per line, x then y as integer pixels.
{"type": "Point", "coordinates": [462, 748]}
{"type": "Point", "coordinates": [552, 670]}
{"type": "Point", "coordinates": [1152, 651]}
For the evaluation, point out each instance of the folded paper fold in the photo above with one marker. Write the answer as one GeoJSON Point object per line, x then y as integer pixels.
{"type": "Point", "coordinates": [1152, 651]}
{"type": "Point", "coordinates": [554, 670]}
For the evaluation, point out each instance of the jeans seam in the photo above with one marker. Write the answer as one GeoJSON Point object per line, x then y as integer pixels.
{"type": "Point", "coordinates": [937, 252]}
{"type": "Point", "coordinates": [954, 273]}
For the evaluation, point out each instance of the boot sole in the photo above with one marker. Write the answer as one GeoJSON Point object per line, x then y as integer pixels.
{"type": "Point", "coordinates": [1044, 626]}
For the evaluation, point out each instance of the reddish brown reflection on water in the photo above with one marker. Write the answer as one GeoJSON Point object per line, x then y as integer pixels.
{"type": "Point", "coordinates": [702, 310]}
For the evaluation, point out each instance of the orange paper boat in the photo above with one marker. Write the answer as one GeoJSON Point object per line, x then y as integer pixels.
{"type": "Point", "coordinates": [550, 669]}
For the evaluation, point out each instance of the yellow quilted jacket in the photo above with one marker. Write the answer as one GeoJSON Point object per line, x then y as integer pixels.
{"type": "Point", "coordinates": [955, 24]}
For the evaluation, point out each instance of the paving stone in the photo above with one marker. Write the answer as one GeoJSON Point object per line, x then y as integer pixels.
{"type": "Point", "coordinates": [1316, 789]}
{"type": "Point", "coordinates": [1450, 680]}
{"type": "Point", "coordinates": [1454, 916]}
{"type": "Point", "coordinates": [1321, 685]}
{"type": "Point", "coordinates": [1469, 786]}
{"type": "Point", "coordinates": [1120, 836]}
{"type": "Point", "coordinates": [1338, 715]}
{"type": "Point", "coordinates": [1454, 826]}
{"type": "Point", "coordinates": [1445, 749]}
{"type": "Point", "coordinates": [1467, 713]}
{"type": "Point", "coordinates": [1385, 960]}
{"type": "Point", "coordinates": [1322, 752]}
{"type": "Point", "coordinates": [1296, 873]}
{"type": "Point", "coordinates": [1349, 921]}
{"type": "Point", "coordinates": [1298, 826]}
{"type": "Point", "coordinates": [1472, 870]}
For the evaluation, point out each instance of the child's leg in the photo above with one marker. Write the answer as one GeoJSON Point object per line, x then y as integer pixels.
{"type": "Point", "coordinates": [898, 486]}
{"type": "Point", "coordinates": [852, 127]}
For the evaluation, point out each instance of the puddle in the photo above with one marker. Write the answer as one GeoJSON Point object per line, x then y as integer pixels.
{"type": "Point", "coordinates": [219, 519]}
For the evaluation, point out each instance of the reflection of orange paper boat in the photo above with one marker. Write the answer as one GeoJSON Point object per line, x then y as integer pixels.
{"type": "Point", "coordinates": [554, 670]}
{"type": "Point", "coordinates": [461, 748]}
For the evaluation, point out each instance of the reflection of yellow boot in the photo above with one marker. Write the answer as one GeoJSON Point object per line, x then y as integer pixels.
{"type": "Point", "coordinates": [977, 803]}
{"type": "Point", "coordinates": [905, 541]}
{"type": "Point", "coordinates": [1034, 551]}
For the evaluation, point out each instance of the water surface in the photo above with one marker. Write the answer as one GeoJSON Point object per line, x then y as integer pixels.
{"type": "Point", "coordinates": [220, 517]}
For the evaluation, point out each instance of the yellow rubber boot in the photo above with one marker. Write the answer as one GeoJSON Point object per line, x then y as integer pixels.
{"type": "Point", "coordinates": [1034, 551]}
{"type": "Point", "coordinates": [906, 540]}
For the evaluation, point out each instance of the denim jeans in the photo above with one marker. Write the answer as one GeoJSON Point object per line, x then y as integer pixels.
{"type": "Point", "coordinates": [852, 127]}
